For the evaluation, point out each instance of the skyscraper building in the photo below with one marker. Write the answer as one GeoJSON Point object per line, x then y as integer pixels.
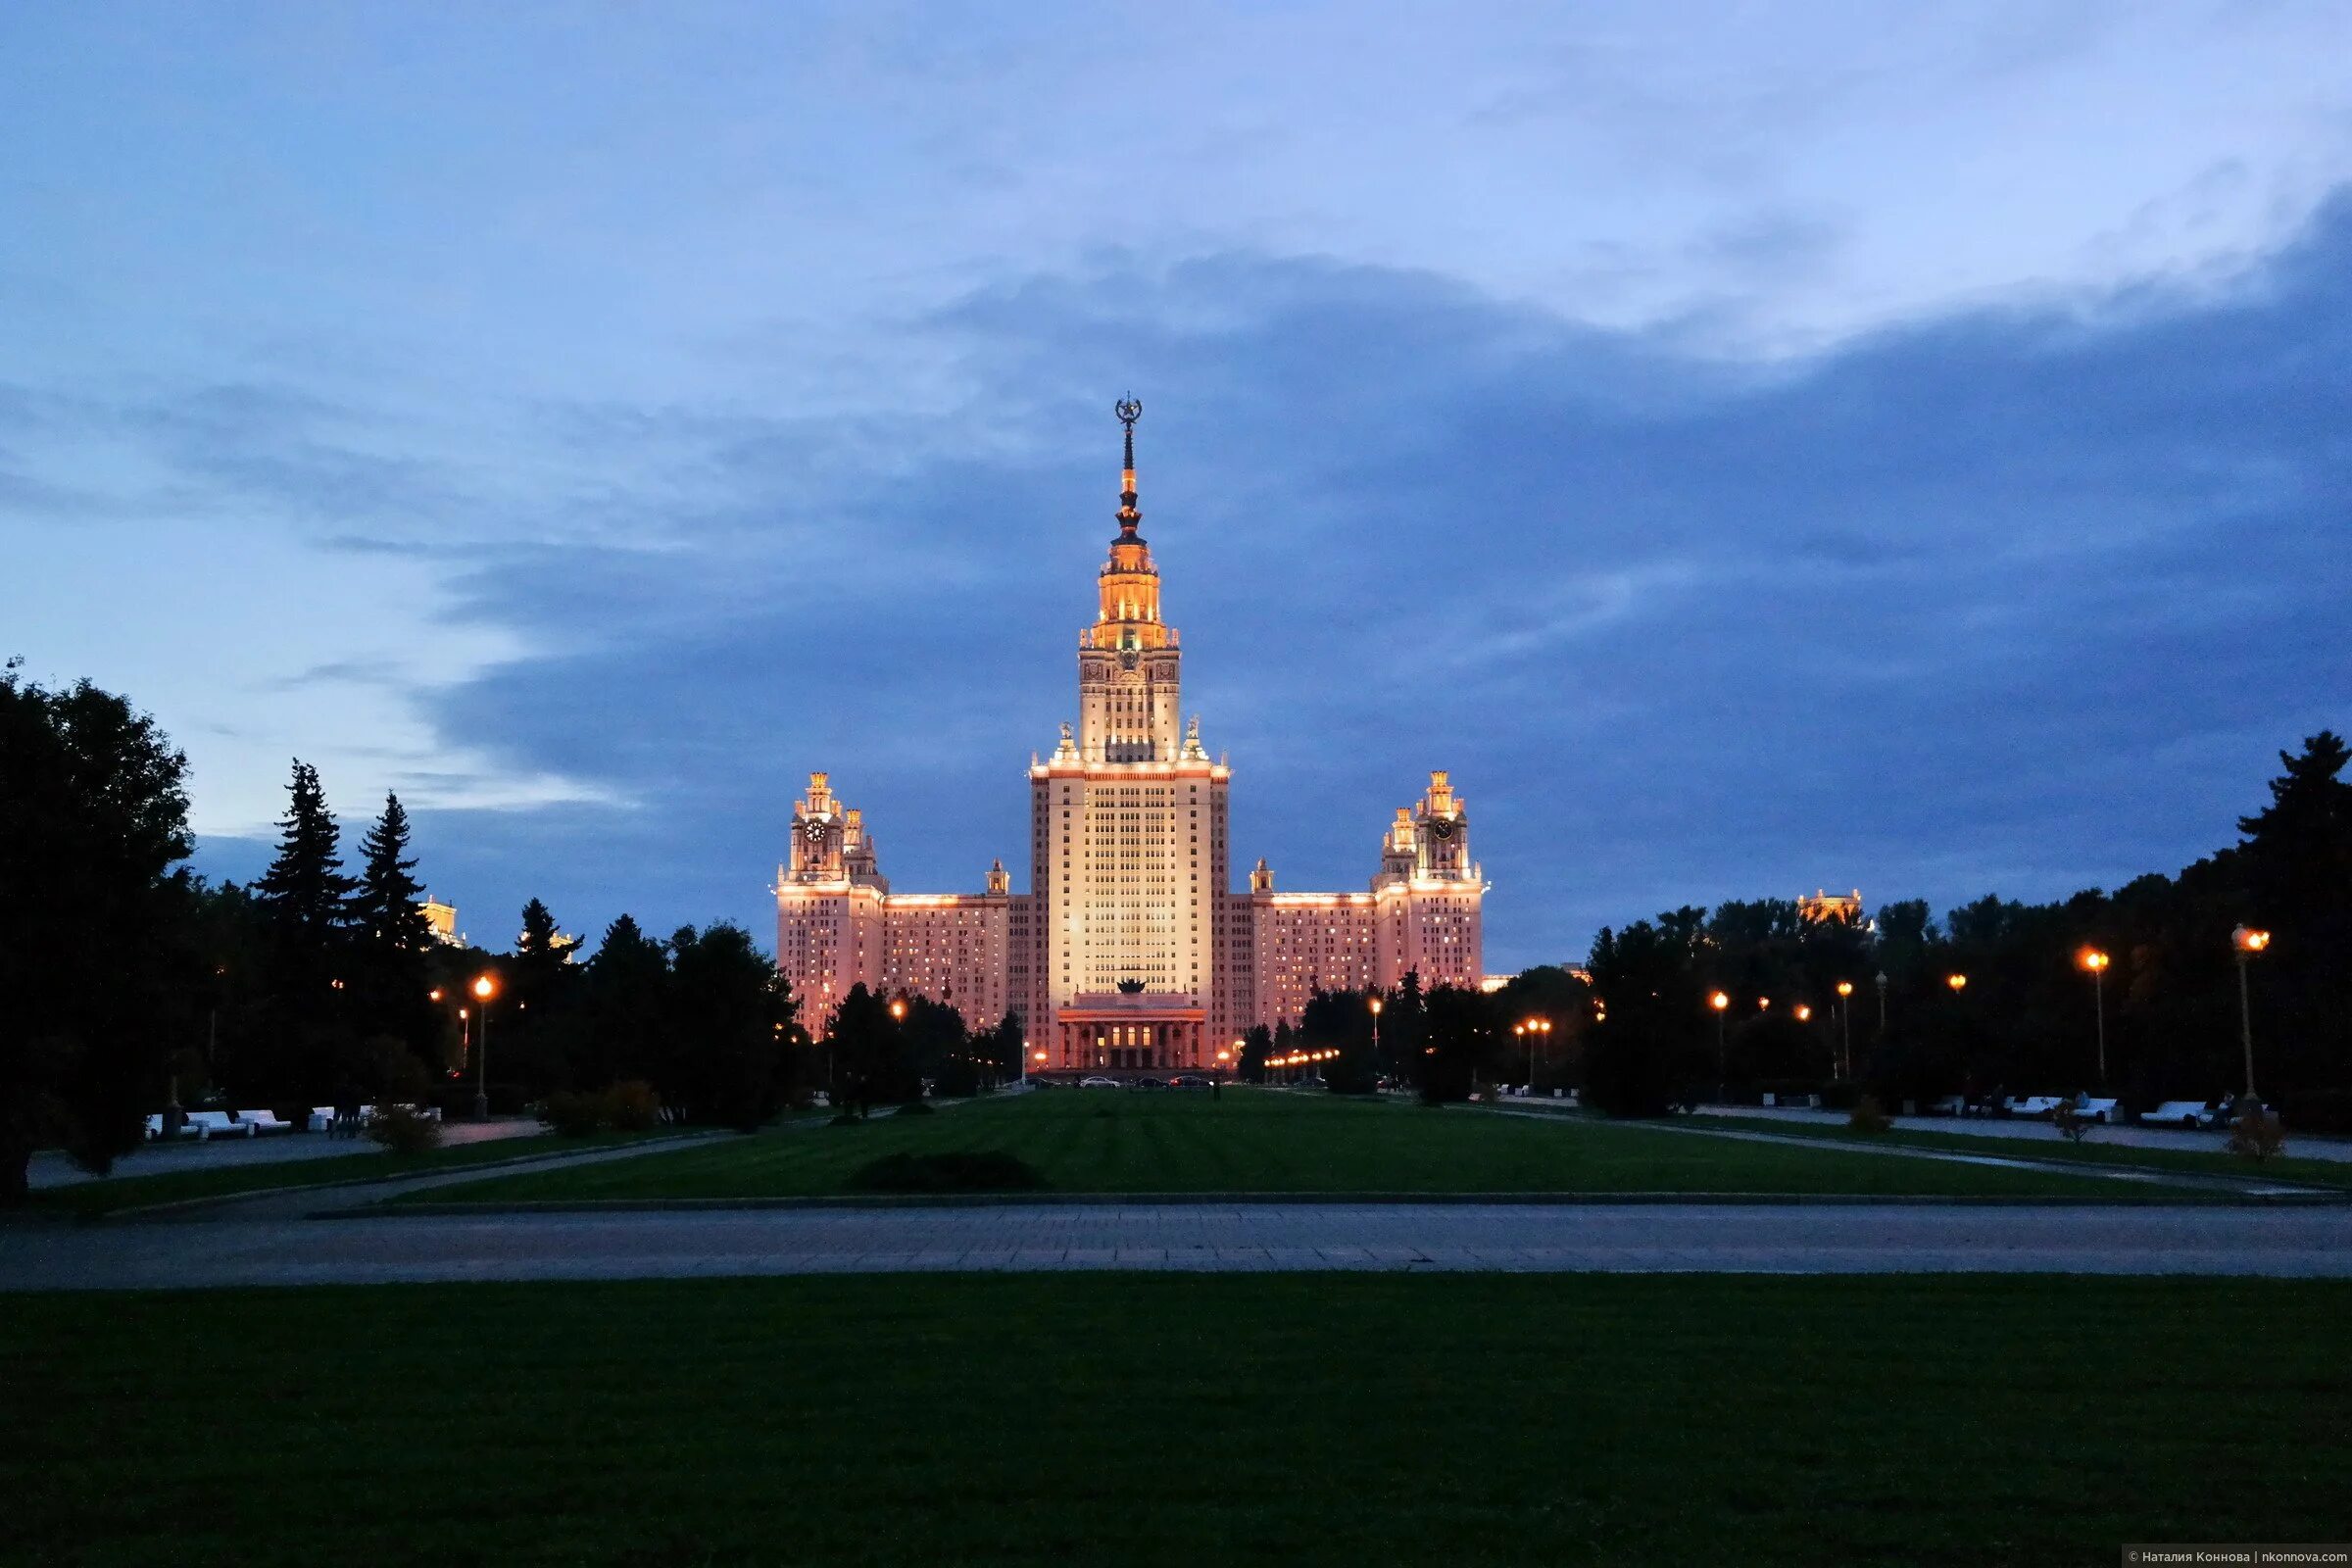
{"type": "Point", "coordinates": [1131, 952]}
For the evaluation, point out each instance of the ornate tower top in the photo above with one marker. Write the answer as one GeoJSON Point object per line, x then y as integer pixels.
{"type": "Point", "coordinates": [1129, 583]}
{"type": "Point", "coordinates": [1129, 409]}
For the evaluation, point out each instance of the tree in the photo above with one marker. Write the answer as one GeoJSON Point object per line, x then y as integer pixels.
{"type": "Point", "coordinates": [864, 1040]}
{"type": "Point", "coordinates": [1461, 1039]}
{"type": "Point", "coordinates": [1256, 1046]}
{"type": "Point", "coordinates": [627, 1010]}
{"type": "Point", "coordinates": [390, 939]}
{"type": "Point", "coordinates": [94, 960]}
{"type": "Point", "coordinates": [303, 896]}
{"type": "Point", "coordinates": [733, 1007]}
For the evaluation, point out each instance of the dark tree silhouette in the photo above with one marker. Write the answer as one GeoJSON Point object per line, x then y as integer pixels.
{"type": "Point", "coordinates": [93, 953]}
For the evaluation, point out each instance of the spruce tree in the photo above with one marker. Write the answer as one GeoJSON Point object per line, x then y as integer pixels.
{"type": "Point", "coordinates": [387, 909]}
{"type": "Point", "coordinates": [304, 897]}
{"type": "Point", "coordinates": [391, 938]}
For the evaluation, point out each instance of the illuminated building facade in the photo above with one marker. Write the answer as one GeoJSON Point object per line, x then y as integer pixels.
{"type": "Point", "coordinates": [1130, 953]}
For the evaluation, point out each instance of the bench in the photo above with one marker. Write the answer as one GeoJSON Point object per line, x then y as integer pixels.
{"type": "Point", "coordinates": [264, 1121]}
{"type": "Point", "coordinates": [211, 1124]}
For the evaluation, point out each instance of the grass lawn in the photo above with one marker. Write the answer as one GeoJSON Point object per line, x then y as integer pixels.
{"type": "Point", "coordinates": [109, 1195]}
{"type": "Point", "coordinates": [2210, 1159]}
{"type": "Point", "coordinates": [1277, 1419]}
{"type": "Point", "coordinates": [1102, 1141]}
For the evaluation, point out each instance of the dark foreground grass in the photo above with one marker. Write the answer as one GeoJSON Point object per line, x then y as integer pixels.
{"type": "Point", "coordinates": [1295, 1420]}
{"type": "Point", "coordinates": [1102, 1141]}
{"type": "Point", "coordinates": [112, 1195]}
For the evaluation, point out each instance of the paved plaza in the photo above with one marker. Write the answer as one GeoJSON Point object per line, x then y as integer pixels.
{"type": "Point", "coordinates": [51, 1167]}
{"type": "Point", "coordinates": [273, 1244]}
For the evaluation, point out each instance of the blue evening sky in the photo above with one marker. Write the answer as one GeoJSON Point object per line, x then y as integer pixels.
{"type": "Point", "coordinates": [1755, 447]}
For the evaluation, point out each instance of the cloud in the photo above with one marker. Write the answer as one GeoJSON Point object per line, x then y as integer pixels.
{"type": "Point", "coordinates": [2021, 599]}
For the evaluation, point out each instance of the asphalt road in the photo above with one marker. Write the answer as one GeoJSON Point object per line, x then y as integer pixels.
{"type": "Point", "coordinates": [278, 1247]}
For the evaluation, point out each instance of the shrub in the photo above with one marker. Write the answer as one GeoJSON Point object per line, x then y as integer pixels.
{"type": "Point", "coordinates": [1841, 1094]}
{"type": "Point", "coordinates": [632, 1106]}
{"type": "Point", "coordinates": [404, 1130]}
{"type": "Point", "coordinates": [914, 1107]}
{"type": "Point", "coordinates": [846, 1118]}
{"type": "Point", "coordinates": [572, 1116]}
{"type": "Point", "coordinates": [1868, 1116]}
{"type": "Point", "coordinates": [2069, 1120]}
{"type": "Point", "coordinates": [953, 1170]}
{"type": "Point", "coordinates": [2255, 1134]}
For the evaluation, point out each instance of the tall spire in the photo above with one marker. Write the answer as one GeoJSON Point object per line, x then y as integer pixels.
{"type": "Point", "coordinates": [1129, 409]}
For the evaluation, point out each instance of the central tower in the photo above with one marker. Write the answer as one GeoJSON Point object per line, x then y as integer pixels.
{"type": "Point", "coordinates": [1127, 840]}
{"type": "Point", "coordinates": [1129, 708]}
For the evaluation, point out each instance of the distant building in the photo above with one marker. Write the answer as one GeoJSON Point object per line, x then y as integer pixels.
{"type": "Point", "coordinates": [1841, 906]}
{"type": "Point", "coordinates": [1130, 953]}
{"type": "Point", "coordinates": [443, 918]}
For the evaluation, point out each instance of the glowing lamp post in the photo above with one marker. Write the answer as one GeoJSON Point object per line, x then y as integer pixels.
{"type": "Point", "coordinates": [2094, 963]}
{"type": "Point", "coordinates": [1721, 1002]}
{"type": "Point", "coordinates": [1845, 1028]}
{"type": "Point", "coordinates": [484, 987]}
{"type": "Point", "coordinates": [2247, 941]}
{"type": "Point", "coordinates": [1375, 1004]}
{"type": "Point", "coordinates": [1958, 983]}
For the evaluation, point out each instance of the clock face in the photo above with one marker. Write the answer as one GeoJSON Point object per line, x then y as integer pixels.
{"type": "Point", "coordinates": [1443, 826]}
{"type": "Point", "coordinates": [816, 831]}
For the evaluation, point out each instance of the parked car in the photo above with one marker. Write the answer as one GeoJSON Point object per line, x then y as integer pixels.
{"type": "Point", "coordinates": [1151, 1083]}
{"type": "Point", "coordinates": [1191, 1081]}
{"type": "Point", "coordinates": [1099, 1083]}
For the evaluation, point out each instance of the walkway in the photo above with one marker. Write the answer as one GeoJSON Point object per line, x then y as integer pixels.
{"type": "Point", "coordinates": [51, 1168]}
{"type": "Point", "coordinates": [1772, 1239]}
{"type": "Point", "coordinates": [2302, 1146]}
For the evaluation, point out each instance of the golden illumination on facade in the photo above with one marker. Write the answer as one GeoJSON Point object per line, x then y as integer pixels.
{"type": "Point", "coordinates": [1130, 951]}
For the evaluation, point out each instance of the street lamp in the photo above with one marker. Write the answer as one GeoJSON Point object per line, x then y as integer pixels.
{"type": "Point", "coordinates": [1958, 983]}
{"type": "Point", "coordinates": [1882, 1002]}
{"type": "Point", "coordinates": [2247, 941]}
{"type": "Point", "coordinates": [1721, 1002]}
{"type": "Point", "coordinates": [1804, 1014]}
{"type": "Point", "coordinates": [1845, 1028]}
{"type": "Point", "coordinates": [2093, 961]}
{"type": "Point", "coordinates": [1375, 1004]}
{"type": "Point", "coordinates": [484, 987]}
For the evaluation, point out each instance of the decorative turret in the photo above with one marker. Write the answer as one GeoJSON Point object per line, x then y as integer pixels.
{"type": "Point", "coordinates": [1000, 882]}
{"type": "Point", "coordinates": [1261, 878]}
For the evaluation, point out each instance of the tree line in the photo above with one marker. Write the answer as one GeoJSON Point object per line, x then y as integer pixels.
{"type": "Point", "coordinates": [1844, 1003]}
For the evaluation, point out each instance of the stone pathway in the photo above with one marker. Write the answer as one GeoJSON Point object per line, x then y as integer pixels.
{"type": "Point", "coordinates": [51, 1168]}
{"type": "Point", "coordinates": [2247, 1186]}
{"type": "Point", "coordinates": [1747, 1237]}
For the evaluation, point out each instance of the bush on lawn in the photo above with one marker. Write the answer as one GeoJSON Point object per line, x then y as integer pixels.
{"type": "Point", "coordinates": [632, 1106]}
{"type": "Point", "coordinates": [953, 1170]}
{"type": "Point", "coordinates": [2255, 1134]}
{"type": "Point", "coordinates": [914, 1107]}
{"type": "Point", "coordinates": [2070, 1122]}
{"type": "Point", "coordinates": [846, 1118]}
{"type": "Point", "coordinates": [568, 1114]}
{"type": "Point", "coordinates": [404, 1131]}
{"type": "Point", "coordinates": [1868, 1116]}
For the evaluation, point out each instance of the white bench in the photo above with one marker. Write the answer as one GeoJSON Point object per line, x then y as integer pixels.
{"type": "Point", "coordinates": [211, 1124]}
{"type": "Point", "coordinates": [320, 1118]}
{"type": "Point", "coordinates": [264, 1121]}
